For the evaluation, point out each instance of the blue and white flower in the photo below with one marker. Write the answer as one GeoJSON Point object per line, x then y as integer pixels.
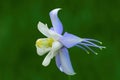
{"type": "Point", "coordinates": [56, 44]}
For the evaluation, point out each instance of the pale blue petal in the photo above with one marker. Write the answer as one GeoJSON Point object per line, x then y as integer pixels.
{"type": "Point", "coordinates": [58, 62]}
{"type": "Point", "coordinates": [63, 62]}
{"type": "Point", "coordinates": [70, 40]}
{"type": "Point", "coordinates": [57, 25]}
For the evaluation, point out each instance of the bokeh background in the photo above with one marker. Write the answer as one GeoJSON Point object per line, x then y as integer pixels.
{"type": "Point", "coordinates": [98, 19]}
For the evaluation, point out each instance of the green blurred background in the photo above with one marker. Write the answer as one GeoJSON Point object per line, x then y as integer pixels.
{"type": "Point", "coordinates": [98, 19]}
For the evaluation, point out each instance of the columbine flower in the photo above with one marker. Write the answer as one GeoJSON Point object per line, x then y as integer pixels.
{"type": "Point", "coordinates": [56, 44]}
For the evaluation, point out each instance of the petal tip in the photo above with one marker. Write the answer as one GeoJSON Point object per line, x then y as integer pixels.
{"type": "Point", "coordinates": [40, 24]}
{"type": "Point", "coordinates": [54, 11]}
{"type": "Point", "coordinates": [73, 73]}
{"type": "Point", "coordinates": [46, 63]}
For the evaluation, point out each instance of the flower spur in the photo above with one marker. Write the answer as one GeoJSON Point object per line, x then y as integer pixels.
{"type": "Point", "coordinates": [56, 44]}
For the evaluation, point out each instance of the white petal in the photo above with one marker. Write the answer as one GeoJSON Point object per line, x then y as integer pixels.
{"type": "Point", "coordinates": [43, 29]}
{"type": "Point", "coordinates": [56, 46]}
{"type": "Point", "coordinates": [47, 60]}
{"type": "Point", "coordinates": [48, 33]}
{"type": "Point", "coordinates": [42, 51]}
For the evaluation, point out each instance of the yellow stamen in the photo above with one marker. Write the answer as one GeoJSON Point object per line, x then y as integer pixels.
{"type": "Point", "coordinates": [44, 42]}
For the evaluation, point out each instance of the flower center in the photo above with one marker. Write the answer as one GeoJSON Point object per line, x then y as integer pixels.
{"type": "Point", "coordinates": [44, 42]}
